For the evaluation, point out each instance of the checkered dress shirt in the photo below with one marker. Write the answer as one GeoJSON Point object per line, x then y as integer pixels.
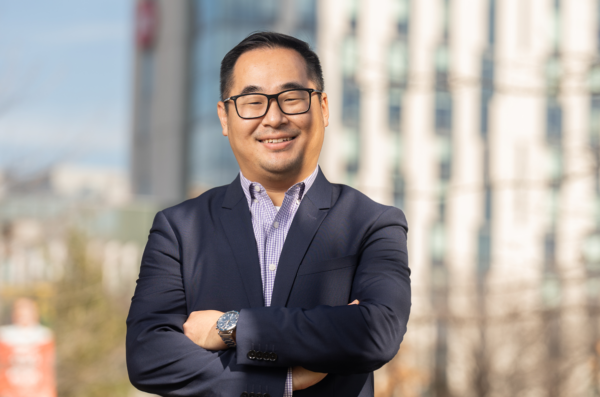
{"type": "Point", "coordinates": [271, 226]}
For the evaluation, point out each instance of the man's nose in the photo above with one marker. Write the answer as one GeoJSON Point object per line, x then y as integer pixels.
{"type": "Point", "coordinates": [274, 116]}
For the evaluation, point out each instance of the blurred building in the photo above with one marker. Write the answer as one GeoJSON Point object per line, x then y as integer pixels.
{"type": "Point", "coordinates": [178, 148]}
{"type": "Point", "coordinates": [481, 120]}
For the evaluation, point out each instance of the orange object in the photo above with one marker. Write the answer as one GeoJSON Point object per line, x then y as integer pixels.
{"type": "Point", "coordinates": [26, 362]}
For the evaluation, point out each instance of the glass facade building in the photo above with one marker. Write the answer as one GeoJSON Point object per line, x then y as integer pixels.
{"type": "Point", "coordinates": [216, 28]}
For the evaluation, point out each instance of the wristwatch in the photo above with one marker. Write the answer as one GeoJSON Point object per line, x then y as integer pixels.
{"type": "Point", "coordinates": [226, 325]}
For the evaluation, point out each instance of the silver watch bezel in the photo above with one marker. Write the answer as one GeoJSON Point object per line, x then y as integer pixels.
{"type": "Point", "coordinates": [229, 329]}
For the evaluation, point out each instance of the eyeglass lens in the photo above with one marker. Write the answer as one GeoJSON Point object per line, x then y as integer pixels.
{"type": "Point", "coordinates": [290, 102]}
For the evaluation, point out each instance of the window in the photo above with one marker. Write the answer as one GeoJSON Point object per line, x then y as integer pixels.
{"type": "Point", "coordinates": [487, 92]}
{"type": "Point", "coordinates": [553, 120]}
{"type": "Point", "coordinates": [442, 66]}
{"type": "Point", "coordinates": [487, 204]}
{"type": "Point", "coordinates": [443, 113]}
{"type": "Point", "coordinates": [444, 144]}
{"type": "Point", "coordinates": [445, 20]}
{"type": "Point", "coordinates": [492, 23]}
{"type": "Point", "coordinates": [595, 122]}
{"type": "Point", "coordinates": [402, 12]}
{"type": "Point", "coordinates": [353, 6]}
{"type": "Point", "coordinates": [397, 72]}
{"type": "Point", "coordinates": [438, 243]}
{"type": "Point", "coordinates": [398, 63]}
{"type": "Point", "coordinates": [351, 103]}
{"type": "Point", "coordinates": [352, 152]}
{"type": "Point", "coordinates": [555, 163]}
{"type": "Point", "coordinates": [550, 252]}
{"type": "Point", "coordinates": [349, 56]}
{"type": "Point", "coordinates": [591, 253]}
{"type": "Point", "coordinates": [553, 76]}
{"type": "Point", "coordinates": [484, 250]}
{"type": "Point", "coordinates": [598, 25]}
{"type": "Point", "coordinates": [555, 26]}
{"type": "Point", "coordinates": [394, 108]}
{"type": "Point", "coordinates": [399, 187]}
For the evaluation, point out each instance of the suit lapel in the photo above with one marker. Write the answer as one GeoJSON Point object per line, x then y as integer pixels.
{"type": "Point", "coordinates": [310, 214]}
{"type": "Point", "coordinates": [237, 222]}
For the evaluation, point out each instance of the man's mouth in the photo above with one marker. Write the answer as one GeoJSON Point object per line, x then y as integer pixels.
{"type": "Point", "coordinates": [280, 140]}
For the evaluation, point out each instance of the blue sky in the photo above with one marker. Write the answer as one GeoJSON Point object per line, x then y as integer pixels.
{"type": "Point", "coordinates": [65, 83]}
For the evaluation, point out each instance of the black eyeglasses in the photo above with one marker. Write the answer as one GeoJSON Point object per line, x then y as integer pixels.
{"type": "Point", "coordinates": [290, 102]}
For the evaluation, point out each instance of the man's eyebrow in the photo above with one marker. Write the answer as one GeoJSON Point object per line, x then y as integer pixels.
{"type": "Point", "coordinates": [250, 89]}
{"type": "Point", "coordinates": [291, 86]}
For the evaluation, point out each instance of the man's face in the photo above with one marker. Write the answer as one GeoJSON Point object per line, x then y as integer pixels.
{"type": "Point", "coordinates": [270, 71]}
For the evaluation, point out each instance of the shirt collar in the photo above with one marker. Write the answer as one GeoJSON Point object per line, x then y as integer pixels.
{"type": "Point", "coordinates": [301, 187]}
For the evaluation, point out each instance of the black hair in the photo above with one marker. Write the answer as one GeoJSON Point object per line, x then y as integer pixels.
{"type": "Point", "coordinates": [270, 40]}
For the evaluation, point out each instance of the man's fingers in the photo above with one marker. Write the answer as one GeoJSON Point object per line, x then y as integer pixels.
{"type": "Point", "coordinates": [200, 328]}
{"type": "Point", "coordinates": [354, 302]}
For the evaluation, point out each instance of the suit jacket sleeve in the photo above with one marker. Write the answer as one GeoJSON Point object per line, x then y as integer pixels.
{"type": "Point", "coordinates": [343, 339]}
{"type": "Point", "coordinates": [160, 358]}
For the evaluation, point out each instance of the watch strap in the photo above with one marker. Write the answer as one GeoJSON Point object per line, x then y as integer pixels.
{"type": "Point", "coordinates": [227, 337]}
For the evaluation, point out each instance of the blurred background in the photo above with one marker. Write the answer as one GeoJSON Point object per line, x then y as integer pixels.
{"type": "Point", "coordinates": [479, 118]}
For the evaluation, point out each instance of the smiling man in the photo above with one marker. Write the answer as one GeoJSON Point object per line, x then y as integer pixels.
{"type": "Point", "coordinates": [280, 282]}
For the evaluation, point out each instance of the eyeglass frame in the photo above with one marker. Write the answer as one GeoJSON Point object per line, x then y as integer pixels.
{"type": "Point", "coordinates": [269, 97]}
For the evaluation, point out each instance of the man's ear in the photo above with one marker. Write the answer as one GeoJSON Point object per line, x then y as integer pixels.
{"type": "Point", "coordinates": [222, 112]}
{"type": "Point", "coordinates": [325, 109]}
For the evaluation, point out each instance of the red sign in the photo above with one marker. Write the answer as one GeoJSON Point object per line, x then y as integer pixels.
{"type": "Point", "coordinates": [26, 362]}
{"type": "Point", "coordinates": [146, 24]}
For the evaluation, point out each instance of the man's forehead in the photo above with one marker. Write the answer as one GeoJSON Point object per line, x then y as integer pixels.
{"type": "Point", "coordinates": [270, 68]}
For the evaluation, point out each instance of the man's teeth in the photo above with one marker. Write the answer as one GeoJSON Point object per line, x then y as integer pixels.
{"type": "Point", "coordinates": [277, 140]}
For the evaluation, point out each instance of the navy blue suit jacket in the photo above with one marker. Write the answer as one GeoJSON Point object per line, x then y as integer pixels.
{"type": "Point", "coordinates": [202, 255]}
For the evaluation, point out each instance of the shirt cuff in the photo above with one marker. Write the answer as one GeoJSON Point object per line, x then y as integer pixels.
{"type": "Point", "coordinates": [289, 386]}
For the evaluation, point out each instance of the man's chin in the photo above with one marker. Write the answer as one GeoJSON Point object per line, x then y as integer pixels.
{"type": "Point", "coordinates": [282, 168]}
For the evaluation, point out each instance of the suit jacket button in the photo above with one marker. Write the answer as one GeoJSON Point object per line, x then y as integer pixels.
{"type": "Point", "coordinates": [259, 355]}
{"type": "Point", "coordinates": [266, 395]}
{"type": "Point", "coordinates": [244, 394]}
{"type": "Point", "coordinates": [273, 356]}
{"type": "Point", "coordinates": [251, 395]}
{"type": "Point", "coordinates": [259, 395]}
{"type": "Point", "coordinates": [251, 355]}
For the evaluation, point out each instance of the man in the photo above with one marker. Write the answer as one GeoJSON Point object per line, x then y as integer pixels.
{"type": "Point", "coordinates": [245, 290]}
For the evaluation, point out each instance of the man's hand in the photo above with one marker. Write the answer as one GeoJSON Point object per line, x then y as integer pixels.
{"type": "Point", "coordinates": [200, 327]}
{"type": "Point", "coordinates": [302, 378]}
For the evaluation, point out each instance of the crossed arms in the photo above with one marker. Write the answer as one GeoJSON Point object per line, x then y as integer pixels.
{"type": "Point", "coordinates": [351, 339]}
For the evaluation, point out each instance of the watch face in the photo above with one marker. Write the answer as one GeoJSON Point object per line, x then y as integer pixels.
{"type": "Point", "coordinates": [228, 321]}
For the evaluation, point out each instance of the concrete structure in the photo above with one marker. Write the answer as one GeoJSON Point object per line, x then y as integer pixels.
{"type": "Point", "coordinates": [159, 139]}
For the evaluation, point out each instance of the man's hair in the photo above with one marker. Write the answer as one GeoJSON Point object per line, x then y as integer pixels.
{"type": "Point", "coordinates": [270, 40]}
